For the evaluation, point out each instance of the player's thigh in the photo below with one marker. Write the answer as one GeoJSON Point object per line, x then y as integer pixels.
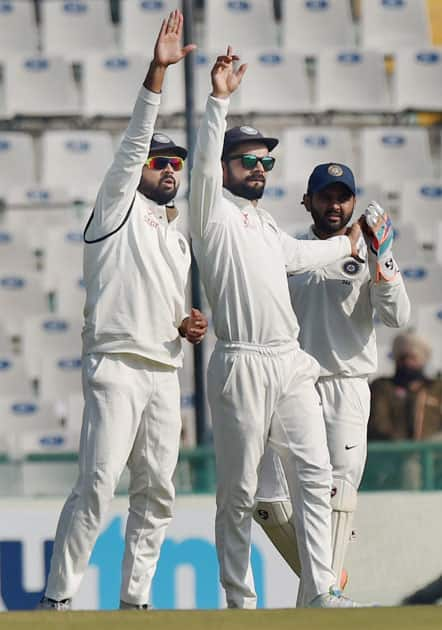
{"type": "Point", "coordinates": [239, 403]}
{"type": "Point", "coordinates": [155, 450]}
{"type": "Point", "coordinates": [112, 412]}
{"type": "Point", "coordinates": [297, 424]}
{"type": "Point", "coordinates": [346, 407]}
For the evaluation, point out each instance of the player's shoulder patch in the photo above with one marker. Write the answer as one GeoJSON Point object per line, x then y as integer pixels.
{"type": "Point", "coordinates": [352, 267]}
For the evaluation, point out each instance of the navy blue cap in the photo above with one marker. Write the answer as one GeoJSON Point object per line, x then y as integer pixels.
{"type": "Point", "coordinates": [161, 142]}
{"type": "Point", "coordinates": [245, 133]}
{"type": "Point", "coordinates": [331, 173]}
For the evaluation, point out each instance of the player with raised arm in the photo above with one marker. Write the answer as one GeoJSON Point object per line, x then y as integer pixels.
{"type": "Point", "coordinates": [135, 268]}
{"type": "Point", "coordinates": [335, 305]}
{"type": "Point", "coordinates": [260, 383]}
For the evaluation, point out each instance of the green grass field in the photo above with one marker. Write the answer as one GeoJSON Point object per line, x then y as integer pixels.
{"type": "Point", "coordinates": [409, 618]}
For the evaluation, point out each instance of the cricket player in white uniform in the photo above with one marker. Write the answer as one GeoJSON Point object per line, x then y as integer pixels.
{"type": "Point", "coordinates": [260, 383]}
{"type": "Point", "coordinates": [135, 268]}
{"type": "Point", "coordinates": [335, 306]}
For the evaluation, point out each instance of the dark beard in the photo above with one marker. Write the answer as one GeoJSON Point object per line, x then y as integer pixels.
{"type": "Point", "coordinates": [324, 227]}
{"type": "Point", "coordinates": [246, 191]}
{"type": "Point", "coordinates": [159, 196]}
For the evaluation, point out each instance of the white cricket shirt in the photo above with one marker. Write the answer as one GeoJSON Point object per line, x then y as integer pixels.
{"type": "Point", "coordinates": [136, 271]}
{"type": "Point", "coordinates": [335, 306]}
{"type": "Point", "coordinates": [242, 255]}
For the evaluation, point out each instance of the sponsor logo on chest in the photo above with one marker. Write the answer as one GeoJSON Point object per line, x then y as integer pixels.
{"type": "Point", "coordinates": [151, 219]}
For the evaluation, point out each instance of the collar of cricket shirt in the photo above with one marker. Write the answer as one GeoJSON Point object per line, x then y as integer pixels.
{"type": "Point", "coordinates": [239, 201]}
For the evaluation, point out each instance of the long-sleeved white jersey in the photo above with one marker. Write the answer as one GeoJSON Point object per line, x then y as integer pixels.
{"type": "Point", "coordinates": [335, 306]}
{"type": "Point", "coordinates": [136, 263]}
{"type": "Point", "coordinates": [242, 255]}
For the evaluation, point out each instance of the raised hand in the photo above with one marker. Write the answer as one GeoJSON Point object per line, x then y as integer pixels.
{"type": "Point", "coordinates": [168, 49]}
{"type": "Point", "coordinates": [225, 78]}
{"type": "Point", "coordinates": [378, 229]}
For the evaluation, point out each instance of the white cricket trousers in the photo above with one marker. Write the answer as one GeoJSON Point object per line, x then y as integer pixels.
{"type": "Point", "coordinates": [131, 416]}
{"type": "Point", "coordinates": [346, 409]}
{"type": "Point", "coordinates": [259, 395]}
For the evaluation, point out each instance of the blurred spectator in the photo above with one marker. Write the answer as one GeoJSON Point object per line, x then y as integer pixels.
{"type": "Point", "coordinates": [408, 405]}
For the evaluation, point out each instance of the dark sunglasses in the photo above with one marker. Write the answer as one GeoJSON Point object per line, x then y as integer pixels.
{"type": "Point", "coordinates": [249, 161]}
{"type": "Point", "coordinates": [158, 162]}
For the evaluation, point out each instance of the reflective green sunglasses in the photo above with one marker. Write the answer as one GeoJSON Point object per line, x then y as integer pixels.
{"type": "Point", "coordinates": [249, 161]}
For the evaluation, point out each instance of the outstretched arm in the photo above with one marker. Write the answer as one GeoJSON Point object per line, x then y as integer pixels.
{"type": "Point", "coordinates": [122, 179]}
{"type": "Point", "coordinates": [206, 182]}
{"type": "Point", "coordinates": [303, 255]}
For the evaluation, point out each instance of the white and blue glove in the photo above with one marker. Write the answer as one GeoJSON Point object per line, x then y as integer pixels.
{"type": "Point", "coordinates": [379, 230]}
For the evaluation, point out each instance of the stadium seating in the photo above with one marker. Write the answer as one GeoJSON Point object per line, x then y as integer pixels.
{"type": "Point", "coordinates": [423, 284]}
{"type": "Point", "coordinates": [111, 84]}
{"type": "Point", "coordinates": [438, 253]}
{"type": "Point", "coordinates": [387, 25]}
{"type": "Point", "coordinates": [140, 21]}
{"type": "Point", "coordinates": [70, 294]}
{"type": "Point", "coordinates": [76, 28]}
{"type": "Point", "coordinates": [20, 414]}
{"type": "Point", "coordinates": [268, 90]}
{"type": "Point", "coordinates": [248, 23]}
{"type": "Point", "coordinates": [17, 161]}
{"type": "Point", "coordinates": [76, 160]}
{"type": "Point", "coordinates": [310, 26]}
{"type": "Point", "coordinates": [283, 201]}
{"type": "Point", "coordinates": [14, 378]}
{"type": "Point", "coordinates": [39, 86]}
{"type": "Point", "coordinates": [406, 243]}
{"type": "Point", "coordinates": [63, 243]}
{"type": "Point", "coordinates": [391, 155]}
{"type": "Point", "coordinates": [367, 192]}
{"type": "Point", "coordinates": [352, 80]}
{"type": "Point", "coordinates": [60, 375]}
{"type": "Point", "coordinates": [18, 27]}
{"type": "Point", "coordinates": [14, 246]}
{"type": "Point", "coordinates": [49, 334]}
{"type": "Point", "coordinates": [21, 295]}
{"type": "Point", "coordinates": [305, 147]}
{"type": "Point", "coordinates": [422, 206]}
{"type": "Point", "coordinates": [417, 79]}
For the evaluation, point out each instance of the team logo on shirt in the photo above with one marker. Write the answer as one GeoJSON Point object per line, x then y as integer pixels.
{"type": "Point", "coordinates": [182, 245]}
{"type": "Point", "coordinates": [351, 267]}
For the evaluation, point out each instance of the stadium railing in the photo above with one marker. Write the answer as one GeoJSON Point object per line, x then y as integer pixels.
{"type": "Point", "coordinates": [401, 466]}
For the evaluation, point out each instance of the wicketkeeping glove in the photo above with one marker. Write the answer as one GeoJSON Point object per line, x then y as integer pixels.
{"type": "Point", "coordinates": [380, 234]}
